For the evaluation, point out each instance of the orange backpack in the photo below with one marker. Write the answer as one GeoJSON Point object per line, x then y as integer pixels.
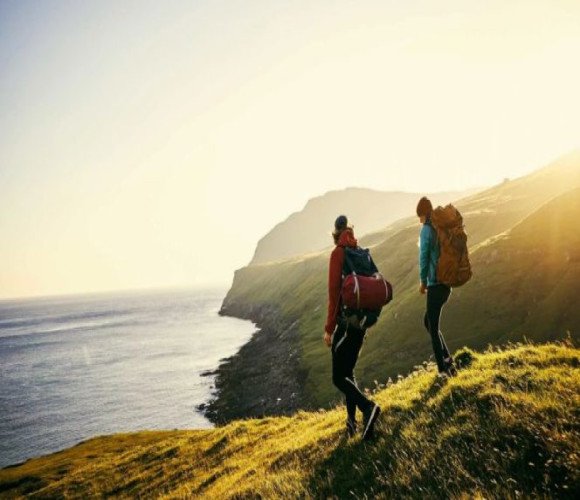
{"type": "Point", "coordinates": [453, 268]}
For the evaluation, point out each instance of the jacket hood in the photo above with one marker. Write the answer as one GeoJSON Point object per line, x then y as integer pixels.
{"type": "Point", "coordinates": [347, 239]}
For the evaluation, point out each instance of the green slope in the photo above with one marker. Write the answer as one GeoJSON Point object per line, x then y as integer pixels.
{"type": "Point", "coordinates": [503, 295]}
{"type": "Point", "coordinates": [507, 427]}
{"type": "Point", "coordinates": [524, 284]}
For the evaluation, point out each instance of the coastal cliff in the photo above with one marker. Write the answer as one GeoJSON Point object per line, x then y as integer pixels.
{"type": "Point", "coordinates": [523, 286]}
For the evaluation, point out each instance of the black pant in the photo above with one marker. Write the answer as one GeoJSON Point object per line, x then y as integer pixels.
{"type": "Point", "coordinates": [346, 345]}
{"type": "Point", "coordinates": [437, 296]}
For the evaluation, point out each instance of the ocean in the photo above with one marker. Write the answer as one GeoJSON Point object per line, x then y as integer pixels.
{"type": "Point", "coordinates": [76, 367]}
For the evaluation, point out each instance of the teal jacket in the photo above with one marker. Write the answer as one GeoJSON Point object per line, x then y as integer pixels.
{"type": "Point", "coordinates": [428, 255]}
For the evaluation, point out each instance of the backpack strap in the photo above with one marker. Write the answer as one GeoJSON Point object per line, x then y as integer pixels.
{"type": "Point", "coordinates": [376, 269]}
{"type": "Point", "coordinates": [434, 238]}
{"type": "Point", "coordinates": [350, 267]}
{"type": "Point", "coordinates": [353, 272]}
{"type": "Point", "coordinates": [348, 262]}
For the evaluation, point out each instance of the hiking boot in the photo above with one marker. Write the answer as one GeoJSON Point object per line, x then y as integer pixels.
{"type": "Point", "coordinates": [350, 427]}
{"type": "Point", "coordinates": [370, 417]}
{"type": "Point", "coordinates": [451, 370]}
{"type": "Point", "coordinates": [450, 367]}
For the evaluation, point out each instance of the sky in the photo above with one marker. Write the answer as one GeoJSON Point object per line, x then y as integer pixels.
{"type": "Point", "coordinates": [152, 144]}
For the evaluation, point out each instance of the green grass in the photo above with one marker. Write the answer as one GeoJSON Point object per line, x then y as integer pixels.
{"type": "Point", "coordinates": [526, 263]}
{"type": "Point", "coordinates": [507, 427]}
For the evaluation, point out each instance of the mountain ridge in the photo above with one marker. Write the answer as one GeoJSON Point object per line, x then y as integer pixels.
{"type": "Point", "coordinates": [308, 230]}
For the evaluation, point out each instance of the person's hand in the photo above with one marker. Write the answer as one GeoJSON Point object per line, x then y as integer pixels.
{"type": "Point", "coordinates": [422, 288]}
{"type": "Point", "coordinates": [327, 339]}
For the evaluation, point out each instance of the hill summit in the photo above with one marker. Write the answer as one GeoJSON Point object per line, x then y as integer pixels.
{"type": "Point", "coordinates": [506, 427]}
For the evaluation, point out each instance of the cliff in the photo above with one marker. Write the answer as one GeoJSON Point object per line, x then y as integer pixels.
{"type": "Point", "coordinates": [525, 276]}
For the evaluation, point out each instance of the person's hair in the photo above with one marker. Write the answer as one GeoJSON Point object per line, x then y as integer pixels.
{"type": "Point", "coordinates": [340, 225]}
{"type": "Point", "coordinates": [424, 207]}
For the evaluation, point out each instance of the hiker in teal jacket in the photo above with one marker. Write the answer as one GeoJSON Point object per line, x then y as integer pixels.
{"type": "Point", "coordinates": [437, 293]}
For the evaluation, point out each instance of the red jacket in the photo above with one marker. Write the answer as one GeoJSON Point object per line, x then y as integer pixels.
{"type": "Point", "coordinates": [346, 239]}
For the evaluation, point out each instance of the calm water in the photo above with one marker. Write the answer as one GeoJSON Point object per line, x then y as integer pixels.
{"type": "Point", "coordinates": [76, 367]}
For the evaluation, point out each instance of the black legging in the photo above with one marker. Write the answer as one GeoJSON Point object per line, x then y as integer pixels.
{"type": "Point", "coordinates": [437, 296]}
{"type": "Point", "coordinates": [346, 345]}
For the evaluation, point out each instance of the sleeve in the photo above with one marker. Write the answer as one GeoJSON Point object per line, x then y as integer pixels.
{"type": "Point", "coordinates": [424, 253]}
{"type": "Point", "coordinates": [334, 286]}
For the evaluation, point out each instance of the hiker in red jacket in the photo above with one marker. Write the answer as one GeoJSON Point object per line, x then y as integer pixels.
{"type": "Point", "coordinates": [344, 338]}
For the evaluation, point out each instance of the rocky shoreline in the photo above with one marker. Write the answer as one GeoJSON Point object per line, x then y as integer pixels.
{"type": "Point", "coordinates": [263, 378]}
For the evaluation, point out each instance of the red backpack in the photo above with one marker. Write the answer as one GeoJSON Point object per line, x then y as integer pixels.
{"type": "Point", "coordinates": [364, 290]}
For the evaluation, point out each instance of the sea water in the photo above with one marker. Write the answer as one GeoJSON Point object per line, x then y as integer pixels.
{"type": "Point", "coordinates": [76, 367]}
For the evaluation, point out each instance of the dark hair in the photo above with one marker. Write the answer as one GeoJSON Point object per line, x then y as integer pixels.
{"type": "Point", "coordinates": [340, 225]}
{"type": "Point", "coordinates": [424, 207]}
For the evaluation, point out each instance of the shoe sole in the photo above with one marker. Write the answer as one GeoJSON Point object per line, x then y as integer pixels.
{"type": "Point", "coordinates": [371, 423]}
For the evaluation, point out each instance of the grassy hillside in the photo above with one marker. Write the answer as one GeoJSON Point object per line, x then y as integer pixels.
{"type": "Point", "coordinates": [309, 230]}
{"type": "Point", "coordinates": [524, 282]}
{"type": "Point", "coordinates": [525, 275]}
{"type": "Point", "coordinates": [507, 427]}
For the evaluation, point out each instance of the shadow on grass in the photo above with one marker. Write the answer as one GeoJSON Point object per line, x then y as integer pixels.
{"type": "Point", "coordinates": [353, 468]}
{"type": "Point", "coordinates": [460, 446]}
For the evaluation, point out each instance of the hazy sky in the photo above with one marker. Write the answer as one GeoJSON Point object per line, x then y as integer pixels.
{"type": "Point", "coordinates": [152, 143]}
